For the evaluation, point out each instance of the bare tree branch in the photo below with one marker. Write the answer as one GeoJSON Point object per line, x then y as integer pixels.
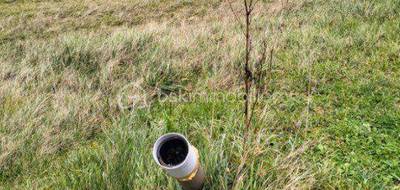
{"type": "Point", "coordinates": [254, 75]}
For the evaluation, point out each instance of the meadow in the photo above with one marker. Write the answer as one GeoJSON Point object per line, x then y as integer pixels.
{"type": "Point", "coordinates": [86, 87]}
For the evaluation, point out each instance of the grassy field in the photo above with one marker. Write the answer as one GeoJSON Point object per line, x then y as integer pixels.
{"type": "Point", "coordinates": [329, 119]}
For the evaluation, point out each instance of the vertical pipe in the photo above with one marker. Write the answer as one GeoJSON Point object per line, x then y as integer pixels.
{"type": "Point", "coordinates": [175, 155]}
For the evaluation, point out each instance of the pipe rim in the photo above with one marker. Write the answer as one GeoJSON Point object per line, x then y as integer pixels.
{"type": "Point", "coordinates": [157, 145]}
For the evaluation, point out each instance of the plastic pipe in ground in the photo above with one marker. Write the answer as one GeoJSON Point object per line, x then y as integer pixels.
{"type": "Point", "coordinates": [174, 154]}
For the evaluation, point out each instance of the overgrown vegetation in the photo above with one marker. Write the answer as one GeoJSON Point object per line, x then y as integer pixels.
{"type": "Point", "coordinates": [328, 120]}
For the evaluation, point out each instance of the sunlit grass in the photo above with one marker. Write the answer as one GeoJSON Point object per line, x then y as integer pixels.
{"type": "Point", "coordinates": [67, 68]}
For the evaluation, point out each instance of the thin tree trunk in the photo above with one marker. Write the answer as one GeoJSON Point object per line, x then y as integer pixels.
{"type": "Point", "coordinates": [248, 74]}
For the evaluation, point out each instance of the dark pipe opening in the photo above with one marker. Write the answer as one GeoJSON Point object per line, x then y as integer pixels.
{"type": "Point", "coordinates": [173, 151]}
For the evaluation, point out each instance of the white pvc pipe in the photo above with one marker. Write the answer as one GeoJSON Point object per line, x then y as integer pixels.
{"type": "Point", "coordinates": [183, 169]}
{"type": "Point", "coordinates": [174, 154]}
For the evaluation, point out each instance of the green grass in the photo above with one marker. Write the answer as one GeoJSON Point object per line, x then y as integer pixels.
{"type": "Point", "coordinates": [63, 72]}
